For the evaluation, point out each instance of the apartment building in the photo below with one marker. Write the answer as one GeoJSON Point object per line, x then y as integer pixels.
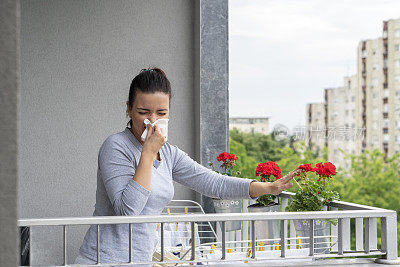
{"type": "Point", "coordinates": [250, 125]}
{"type": "Point", "coordinates": [379, 78]}
{"type": "Point", "coordinates": [315, 128]}
{"type": "Point", "coordinates": [364, 113]}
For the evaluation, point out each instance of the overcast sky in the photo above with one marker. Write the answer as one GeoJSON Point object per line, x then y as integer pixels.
{"type": "Point", "coordinates": [282, 54]}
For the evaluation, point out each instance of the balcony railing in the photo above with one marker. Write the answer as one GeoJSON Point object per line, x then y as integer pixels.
{"type": "Point", "coordinates": [366, 232]}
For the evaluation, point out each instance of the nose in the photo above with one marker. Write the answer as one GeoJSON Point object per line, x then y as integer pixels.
{"type": "Point", "coordinates": [152, 118]}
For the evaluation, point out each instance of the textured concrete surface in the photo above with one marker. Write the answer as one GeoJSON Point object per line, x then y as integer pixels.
{"type": "Point", "coordinates": [214, 96]}
{"type": "Point", "coordinates": [9, 16]}
{"type": "Point", "coordinates": [77, 61]}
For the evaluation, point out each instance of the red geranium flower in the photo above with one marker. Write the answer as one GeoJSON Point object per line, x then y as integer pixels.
{"type": "Point", "coordinates": [267, 169]}
{"type": "Point", "coordinates": [224, 156]}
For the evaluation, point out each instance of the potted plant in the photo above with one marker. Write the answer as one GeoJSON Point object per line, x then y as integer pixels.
{"type": "Point", "coordinates": [267, 172]}
{"type": "Point", "coordinates": [313, 194]}
{"type": "Point", "coordinates": [228, 161]}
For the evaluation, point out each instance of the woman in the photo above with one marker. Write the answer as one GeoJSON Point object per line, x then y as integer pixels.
{"type": "Point", "coordinates": [135, 177]}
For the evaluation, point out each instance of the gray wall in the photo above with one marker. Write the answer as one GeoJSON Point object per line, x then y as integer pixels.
{"type": "Point", "coordinates": [77, 62]}
{"type": "Point", "coordinates": [9, 16]}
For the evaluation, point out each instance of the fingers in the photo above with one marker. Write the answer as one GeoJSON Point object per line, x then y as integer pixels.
{"type": "Point", "coordinates": [149, 130]}
{"type": "Point", "coordinates": [290, 176]}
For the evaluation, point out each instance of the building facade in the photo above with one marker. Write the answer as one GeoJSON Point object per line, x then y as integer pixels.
{"type": "Point", "coordinates": [250, 125]}
{"type": "Point", "coordinates": [364, 113]}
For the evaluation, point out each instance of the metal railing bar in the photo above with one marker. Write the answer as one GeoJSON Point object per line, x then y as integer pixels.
{"type": "Point", "coordinates": [283, 236]}
{"type": "Point", "coordinates": [241, 260]}
{"type": "Point", "coordinates": [367, 237]}
{"type": "Point", "coordinates": [162, 241]}
{"type": "Point", "coordinates": [311, 221]}
{"type": "Point", "coordinates": [253, 239]}
{"type": "Point", "coordinates": [98, 244]}
{"type": "Point", "coordinates": [223, 232]}
{"type": "Point", "coordinates": [338, 203]}
{"type": "Point", "coordinates": [340, 237]}
{"type": "Point", "coordinates": [130, 243]}
{"type": "Point", "coordinates": [259, 216]}
{"type": "Point", "coordinates": [193, 241]}
{"type": "Point", "coordinates": [359, 234]}
{"type": "Point", "coordinates": [65, 244]}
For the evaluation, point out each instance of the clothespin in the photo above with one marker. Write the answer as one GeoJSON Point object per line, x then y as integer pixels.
{"type": "Point", "coordinates": [168, 211]}
{"type": "Point", "coordinates": [212, 249]}
{"type": "Point", "coordinates": [298, 242]}
{"type": "Point", "coordinates": [177, 227]}
{"type": "Point", "coordinates": [229, 250]}
{"type": "Point", "coordinates": [186, 212]}
{"type": "Point", "coordinates": [248, 252]}
{"type": "Point", "coordinates": [261, 246]}
{"type": "Point", "coordinates": [277, 246]}
{"type": "Point", "coordinates": [157, 226]}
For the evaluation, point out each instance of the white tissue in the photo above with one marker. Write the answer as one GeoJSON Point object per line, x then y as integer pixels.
{"type": "Point", "coordinates": [162, 123]}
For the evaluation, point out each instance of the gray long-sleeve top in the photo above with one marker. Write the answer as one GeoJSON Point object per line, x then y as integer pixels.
{"type": "Point", "coordinates": [118, 194]}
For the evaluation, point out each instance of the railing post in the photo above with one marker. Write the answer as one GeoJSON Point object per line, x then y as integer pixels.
{"type": "Point", "coordinates": [389, 237]}
{"type": "Point", "coordinates": [367, 232]}
{"type": "Point", "coordinates": [223, 240]}
{"type": "Point", "coordinates": [193, 241]}
{"type": "Point", "coordinates": [359, 234]}
{"type": "Point", "coordinates": [311, 237]}
{"type": "Point", "coordinates": [253, 239]}
{"type": "Point", "coordinates": [283, 236]}
{"type": "Point", "coordinates": [334, 232]}
{"type": "Point", "coordinates": [346, 234]}
{"type": "Point", "coordinates": [162, 241]}
{"type": "Point", "coordinates": [65, 244]}
{"type": "Point", "coordinates": [98, 244]}
{"type": "Point", "coordinates": [340, 236]}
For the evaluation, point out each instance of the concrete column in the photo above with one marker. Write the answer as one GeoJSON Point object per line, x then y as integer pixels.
{"type": "Point", "coordinates": [9, 30]}
{"type": "Point", "coordinates": [214, 96]}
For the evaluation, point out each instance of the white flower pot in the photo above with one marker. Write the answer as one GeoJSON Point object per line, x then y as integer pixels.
{"type": "Point", "coordinates": [229, 206]}
{"type": "Point", "coordinates": [267, 229]}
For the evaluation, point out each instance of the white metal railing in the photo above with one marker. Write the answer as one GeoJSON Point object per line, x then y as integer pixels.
{"type": "Point", "coordinates": [366, 218]}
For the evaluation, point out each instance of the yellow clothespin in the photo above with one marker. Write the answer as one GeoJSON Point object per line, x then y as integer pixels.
{"type": "Point", "coordinates": [298, 242]}
{"type": "Point", "coordinates": [176, 227]}
{"type": "Point", "coordinates": [186, 212]}
{"type": "Point", "coordinates": [168, 211]}
{"type": "Point", "coordinates": [277, 246]}
{"type": "Point", "coordinates": [262, 244]}
{"type": "Point", "coordinates": [248, 252]}
{"type": "Point", "coordinates": [157, 226]}
{"type": "Point", "coordinates": [229, 250]}
{"type": "Point", "coordinates": [212, 249]}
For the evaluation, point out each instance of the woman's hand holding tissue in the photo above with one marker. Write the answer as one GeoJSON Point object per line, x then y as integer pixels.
{"type": "Point", "coordinates": [275, 188]}
{"type": "Point", "coordinates": [155, 139]}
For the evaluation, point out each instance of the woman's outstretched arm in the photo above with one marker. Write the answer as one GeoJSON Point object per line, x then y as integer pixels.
{"type": "Point", "coordinates": [257, 189]}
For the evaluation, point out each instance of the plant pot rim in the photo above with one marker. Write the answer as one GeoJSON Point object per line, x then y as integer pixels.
{"type": "Point", "coordinates": [257, 205]}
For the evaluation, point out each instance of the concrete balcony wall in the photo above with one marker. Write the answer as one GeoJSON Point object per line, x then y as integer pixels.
{"type": "Point", "coordinates": [77, 62]}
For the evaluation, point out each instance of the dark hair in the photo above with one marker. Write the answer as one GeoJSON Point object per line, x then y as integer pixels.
{"type": "Point", "coordinates": [149, 81]}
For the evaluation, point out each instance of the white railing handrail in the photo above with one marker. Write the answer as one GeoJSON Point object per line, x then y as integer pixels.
{"type": "Point", "coordinates": [259, 216]}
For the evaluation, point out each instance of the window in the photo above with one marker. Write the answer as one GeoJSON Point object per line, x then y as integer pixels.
{"type": "Point", "coordinates": [375, 111]}
{"type": "Point", "coordinates": [375, 51]}
{"type": "Point", "coordinates": [347, 112]}
{"type": "Point", "coordinates": [397, 33]}
{"type": "Point", "coordinates": [353, 98]}
{"type": "Point", "coordinates": [375, 125]}
{"type": "Point", "coordinates": [375, 81]}
{"type": "Point", "coordinates": [353, 113]}
{"type": "Point", "coordinates": [375, 66]}
{"type": "Point", "coordinates": [398, 124]}
{"type": "Point", "coordinates": [397, 47]}
{"type": "Point", "coordinates": [374, 95]}
{"type": "Point", "coordinates": [397, 63]}
{"type": "Point", "coordinates": [385, 130]}
{"type": "Point", "coordinates": [397, 78]}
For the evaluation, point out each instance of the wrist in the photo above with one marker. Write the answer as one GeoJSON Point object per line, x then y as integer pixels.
{"type": "Point", "coordinates": [148, 154]}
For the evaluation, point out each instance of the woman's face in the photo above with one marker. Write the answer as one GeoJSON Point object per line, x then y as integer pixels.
{"type": "Point", "coordinates": [152, 106]}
